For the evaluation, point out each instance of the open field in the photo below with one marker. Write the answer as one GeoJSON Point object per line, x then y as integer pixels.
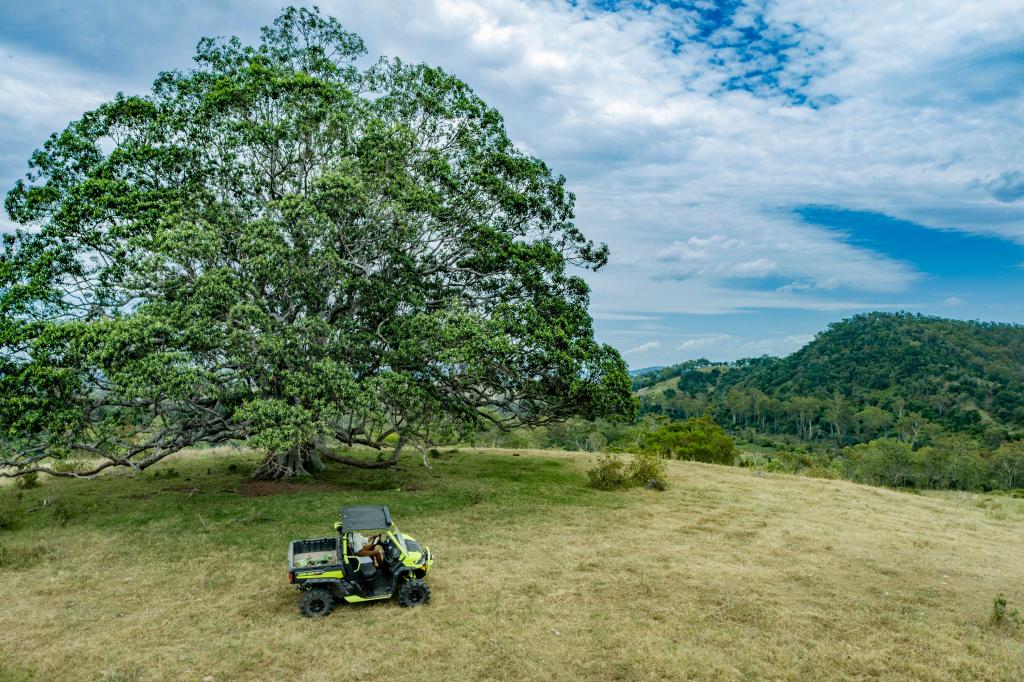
{"type": "Point", "coordinates": [726, 576]}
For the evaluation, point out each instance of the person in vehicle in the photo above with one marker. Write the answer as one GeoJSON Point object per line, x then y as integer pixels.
{"type": "Point", "coordinates": [359, 545]}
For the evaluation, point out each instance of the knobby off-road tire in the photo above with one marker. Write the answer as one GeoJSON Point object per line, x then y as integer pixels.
{"type": "Point", "coordinates": [316, 603]}
{"type": "Point", "coordinates": [413, 593]}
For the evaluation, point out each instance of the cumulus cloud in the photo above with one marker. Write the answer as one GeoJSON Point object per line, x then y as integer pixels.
{"type": "Point", "coordinates": [953, 301]}
{"type": "Point", "coordinates": [687, 140]}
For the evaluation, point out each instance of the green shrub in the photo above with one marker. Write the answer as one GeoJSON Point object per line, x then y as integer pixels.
{"type": "Point", "coordinates": [820, 471]}
{"type": "Point", "coordinates": [26, 481]}
{"type": "Point", "coordinates": [609, 474]}
{"type": "Point", "coordinates": [699, 439]}
{"type": "Point", "coordinates": [1002, 614]}
{"type": "Point", "coordinates": [646, 467]}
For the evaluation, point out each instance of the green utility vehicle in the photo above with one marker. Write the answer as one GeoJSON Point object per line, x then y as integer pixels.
{"type": "Point", "coordinates": [369, 559]}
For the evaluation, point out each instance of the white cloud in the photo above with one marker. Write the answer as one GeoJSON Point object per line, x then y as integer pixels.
{"type": "Point", "coordinates": [42, 92]}
{"type": "Point", "coordinates": [643, 348]}
{"type": "Point", "coordinates": [689, 184]}
{"type": "Point", "coordinates": [953, 301]}
{"type": "Point", "coordinates": [706, 341]}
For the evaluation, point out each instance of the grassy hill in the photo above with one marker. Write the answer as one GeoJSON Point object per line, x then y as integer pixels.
{"type": "Point", "coordinates": [726, 576]}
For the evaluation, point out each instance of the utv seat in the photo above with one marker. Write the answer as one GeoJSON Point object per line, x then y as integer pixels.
{"type": "Point", "coordinates": [366, 568]}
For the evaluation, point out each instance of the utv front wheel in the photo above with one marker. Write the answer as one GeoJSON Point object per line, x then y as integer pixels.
{"type": "Point", "coordinates": [413, 593]}
{"type": "Point", "coordinates": [316, 603]}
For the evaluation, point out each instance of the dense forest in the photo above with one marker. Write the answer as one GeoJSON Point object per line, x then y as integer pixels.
{"type": "Point", "coordinates": [885, 398]}
{"type": "Point", "coordinates": [875, 375]}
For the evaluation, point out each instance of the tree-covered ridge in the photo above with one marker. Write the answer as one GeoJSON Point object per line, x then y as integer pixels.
{"type": "Point", "coordinates": [938, 366]}
{"type": "Point", "coordinates": [876, 374]}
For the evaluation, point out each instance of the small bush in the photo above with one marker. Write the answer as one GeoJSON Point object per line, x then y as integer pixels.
{"type": "Point", "coordinates": [26, 481]}
{"type": "Point", "coordinates": [609, 474]}
{"type": "Point", "coordinates": [1002, 614]}
{"type": "Point", "coordinates": [820, 471]}
{"type": "Point", "coordinates": [647, 467]}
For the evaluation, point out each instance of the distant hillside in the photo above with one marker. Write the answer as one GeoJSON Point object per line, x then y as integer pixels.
{"type": "Point", "coordinates": [867, 376]}
{"type": "Point", "coordinates": [644, 370]}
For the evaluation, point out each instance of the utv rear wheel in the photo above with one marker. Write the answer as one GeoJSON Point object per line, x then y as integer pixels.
{"type": "Point", "coordinates": [413, 593]}
{"type": "Point", "coordinates": [316, 603]}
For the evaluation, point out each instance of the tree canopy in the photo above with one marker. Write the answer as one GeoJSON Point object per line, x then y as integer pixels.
{"type": "Point", "coordinates": [285, 246]}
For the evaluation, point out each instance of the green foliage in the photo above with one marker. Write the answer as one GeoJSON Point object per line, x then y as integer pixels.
{"type": "Point", "coordinates": [612, 473]}
{"type": "Point", "coordinates": [1002, 615]}
{"type": "Point", "coordinates": [609, 474]}
{"type": "Point", "coordinates": [700, 439]}
{"type": "Point", "coordinates": [296, 251]}
{"type": "Point", "coordinates": [646, 467]}
{"type": "Point", "coordinates": [885, 461]}
{"type": "Point", "coordinates": [26, 481]}
{"type": "Point", "coordinates": [1007, 465]}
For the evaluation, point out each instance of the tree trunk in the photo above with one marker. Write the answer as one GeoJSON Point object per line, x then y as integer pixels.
{"type": "Point", "coordinates": [300, 461]}
{"type": "Point", "coordinates": [307, 460]}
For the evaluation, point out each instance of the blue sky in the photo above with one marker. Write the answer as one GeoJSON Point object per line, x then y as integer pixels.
{"type": "Point", "coordinates": [759, 169]}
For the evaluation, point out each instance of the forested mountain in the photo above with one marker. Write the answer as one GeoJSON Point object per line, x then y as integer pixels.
{"type": "Point", "coordinates": [873, 375]}
{"type": "Point", "coordinates": [889, 399]}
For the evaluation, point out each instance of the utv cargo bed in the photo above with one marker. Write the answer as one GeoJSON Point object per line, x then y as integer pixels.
{"type": "Point", "coordinates": [313, 553]}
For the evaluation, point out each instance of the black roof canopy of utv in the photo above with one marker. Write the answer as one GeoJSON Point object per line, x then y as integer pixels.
{"type": "Point", "coordinates": [368, 517]}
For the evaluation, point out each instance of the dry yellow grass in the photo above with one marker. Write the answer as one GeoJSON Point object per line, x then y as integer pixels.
{"type": "Point", "coordinates": [726, 576]}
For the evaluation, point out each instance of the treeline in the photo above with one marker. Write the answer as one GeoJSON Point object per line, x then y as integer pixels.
{"type": "Point", "coordinates": [952, 462]}
{"type": "Point", "coordinates": [947, 461]}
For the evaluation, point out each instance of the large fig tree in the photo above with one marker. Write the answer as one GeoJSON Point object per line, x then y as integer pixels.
{"type": "Point", "coordinates": [290, 246]}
